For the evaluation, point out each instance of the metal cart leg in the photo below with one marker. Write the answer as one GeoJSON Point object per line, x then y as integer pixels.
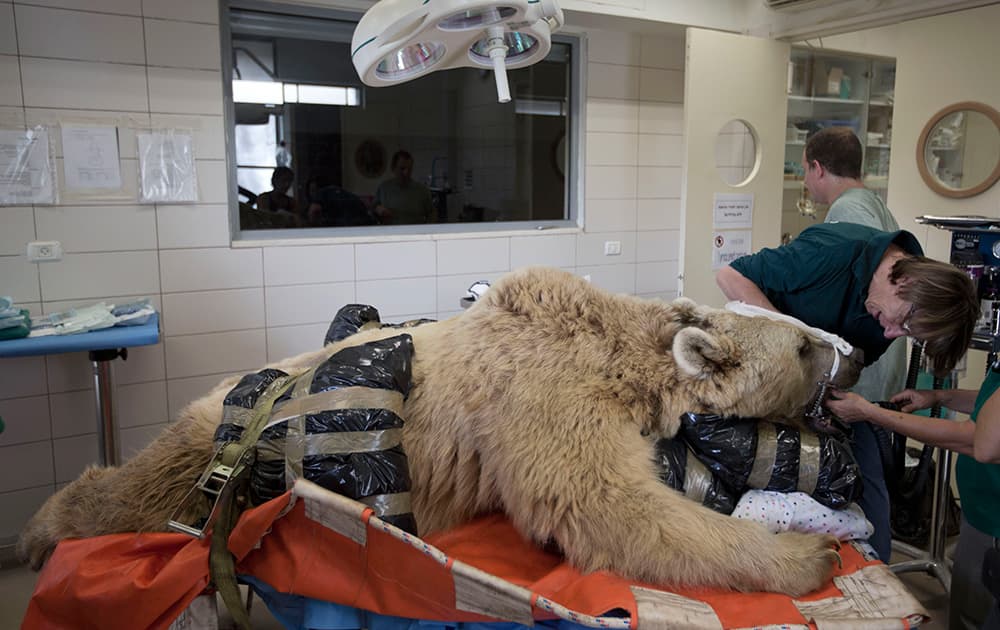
{"type": "Point", "coordinates": [932, 561]}
{"type": "Point", "coordinates": [104, 387]}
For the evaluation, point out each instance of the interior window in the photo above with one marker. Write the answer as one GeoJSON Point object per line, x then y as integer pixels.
{"type": "Point", "coordinates": [317, 149]}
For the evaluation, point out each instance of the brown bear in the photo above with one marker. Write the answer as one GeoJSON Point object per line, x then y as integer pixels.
{"type": "Point", "coordinates": [544, 401]}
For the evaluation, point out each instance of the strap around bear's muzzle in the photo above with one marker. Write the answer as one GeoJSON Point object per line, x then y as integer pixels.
{"type": "Point", "coordinates": [818, 417]}
{"type": "Point", "coordinates": [840, 345]}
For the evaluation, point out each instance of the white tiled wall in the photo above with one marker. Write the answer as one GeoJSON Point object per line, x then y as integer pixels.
{"type": "Point", "coordinates": [132, 63]}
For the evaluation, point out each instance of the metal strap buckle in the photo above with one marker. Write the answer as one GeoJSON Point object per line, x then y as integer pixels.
{"type": "Point", "coordinates": [214, 483]}
{"type": "Point", "coordinates": [229, 464]}
{"type": "Point", "coordinates": [819, 417]}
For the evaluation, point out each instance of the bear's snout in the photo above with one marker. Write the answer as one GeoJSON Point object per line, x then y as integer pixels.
{"type": "Point", "coordinates": [849, 370]}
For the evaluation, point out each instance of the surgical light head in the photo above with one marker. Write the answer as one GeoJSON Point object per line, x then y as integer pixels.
{"type": "Point", "coordinates": [400, 40]}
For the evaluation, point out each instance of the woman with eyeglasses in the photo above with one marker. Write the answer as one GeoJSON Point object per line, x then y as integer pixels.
{"type": "Point", "coordinates": [869, 287]}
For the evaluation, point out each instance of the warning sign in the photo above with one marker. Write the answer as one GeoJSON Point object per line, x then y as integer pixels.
{"type": "Point", "coordinates": [728, 246]}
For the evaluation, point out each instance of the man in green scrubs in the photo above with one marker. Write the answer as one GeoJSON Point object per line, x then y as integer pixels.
{"type": "Point", "coordinates": [831, 163]}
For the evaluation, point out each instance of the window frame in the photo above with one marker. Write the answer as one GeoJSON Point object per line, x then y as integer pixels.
{"type": "Point", "coordinates": [574, 162]}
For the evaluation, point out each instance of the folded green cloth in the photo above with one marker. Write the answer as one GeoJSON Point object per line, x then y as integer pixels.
{"type": "Point", "coordinates": [21, 330]}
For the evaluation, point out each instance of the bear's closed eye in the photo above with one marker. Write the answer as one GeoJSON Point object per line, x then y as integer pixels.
{"type": "Point", "coordinates": [805, 347]}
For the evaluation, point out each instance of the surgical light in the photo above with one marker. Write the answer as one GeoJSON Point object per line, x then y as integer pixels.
{"type": "Point", "coordinates": [400, 40]}
{"type": "Point", "coordinates": [407, 62]}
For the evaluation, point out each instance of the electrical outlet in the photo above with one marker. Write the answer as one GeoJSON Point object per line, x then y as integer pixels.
{"type": "Point", "coordinates": [612, 248]}
{"type": "Point", "coordinates": [44, 251]}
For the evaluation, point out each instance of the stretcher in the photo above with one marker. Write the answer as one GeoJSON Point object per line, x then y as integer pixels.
{"type": "Point", "coordinates": [320, 558]}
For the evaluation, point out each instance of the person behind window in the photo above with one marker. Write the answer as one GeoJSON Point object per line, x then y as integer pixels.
{"type": "Point", "coordinates": [329, 205]}
{"type": "Point", "coordinates": [277, 199]}
{"type": "Point", "coordinates": [978, 475]}
{"type": "Point", "coordinates": [400, 199]}
{"type": "Point", "coordinates": [282, 156]}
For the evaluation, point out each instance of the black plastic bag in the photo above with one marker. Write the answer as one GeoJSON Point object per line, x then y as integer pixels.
{"type": "Point", "coordinates": [243, 396]}
{"type": "Point", "coordinates": [912, 502]}
{"type": "Point", "coordinates": [682, 471]}
{"type": "Point", "coordinates": [348, 320]}
{"type": "Point", "coordinates": [351, 318]}
{"type": "Point", "coordinates": [731, 448]}
{"type": "Point", "coordinates": [343, 439]}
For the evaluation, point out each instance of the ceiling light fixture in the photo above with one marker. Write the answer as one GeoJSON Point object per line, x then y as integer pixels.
{"type": "Point", "coordinates": [401, 40]}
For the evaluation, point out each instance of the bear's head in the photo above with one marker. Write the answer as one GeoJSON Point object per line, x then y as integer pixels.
{"type": "Point", "coordinates": [733, 364]}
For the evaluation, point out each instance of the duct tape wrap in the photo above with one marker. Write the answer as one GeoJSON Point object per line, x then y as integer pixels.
{"type": "Point", "coordinates": [697, 479]}
{"type": "Point", "coordinates": [680, 469]}
{"type": "Point", "coordinates": [808, 463]}
{"type": "Point", "coordinates": [784, 460]}
{"type": "Point", "coordinates": [764, 457]}
{"type": "Point", "coordinates": [340, 426]}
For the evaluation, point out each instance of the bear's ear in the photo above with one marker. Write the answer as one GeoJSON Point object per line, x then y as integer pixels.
{"type": "Point", "coordinates": [698, 353]}
{"type": "Point", "coordinates": [684, 303]}
{"type": "Point", "coordinates": [685, 311]}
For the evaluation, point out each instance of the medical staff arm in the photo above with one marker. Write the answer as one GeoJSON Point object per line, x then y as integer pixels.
{"type": "Point", "coordinates": [736, 286]}
{"type": "Point", "coordinates": [910, 400]}
{"type": "Point", "coordinates": [986, 446]}
{"type": "Point", "coordinates": [953, 435]}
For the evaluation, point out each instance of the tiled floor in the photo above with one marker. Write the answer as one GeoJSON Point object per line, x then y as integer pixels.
{"type": "Point", "coordinates": [17, 583]}
{"type": "Point", "coordinates": [928, 592]}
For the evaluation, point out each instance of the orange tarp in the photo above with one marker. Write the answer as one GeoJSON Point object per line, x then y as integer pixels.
{"type": "Point", "coordinates": [132, 581]}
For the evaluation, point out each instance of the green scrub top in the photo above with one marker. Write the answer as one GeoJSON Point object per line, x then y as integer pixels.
{"type": "Point", "coordinates": [860, 205]}
{"type": "Point", "coordinates": [822, 278]}
{"type": "Point", "coordinates": [979, 484]}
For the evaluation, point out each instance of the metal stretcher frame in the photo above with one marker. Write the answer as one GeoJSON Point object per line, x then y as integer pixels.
{"type": "Point", "coordinates": [322, 547]}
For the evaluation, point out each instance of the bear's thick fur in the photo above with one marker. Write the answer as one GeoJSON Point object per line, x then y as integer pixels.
{"type": "Point", "coordinates": [543, 401]}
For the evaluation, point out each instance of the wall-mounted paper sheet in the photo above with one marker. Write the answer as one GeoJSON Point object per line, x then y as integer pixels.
{"type": "Point", "coordinates": [166, 167]}
{"type": "Point", "coordinates": [733, 211]}
{"type": "Point", "coordinates": [26, 174]}
{"type": "Point", "coordinates": [728, 246]}
{"type": "Point", "coordinates": [90, 158]}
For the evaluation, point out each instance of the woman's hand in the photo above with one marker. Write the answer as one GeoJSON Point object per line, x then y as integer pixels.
{"type": "Point", "coordinates": [850, 407]}
{"type": "Point", "coordinates": [911, 400]}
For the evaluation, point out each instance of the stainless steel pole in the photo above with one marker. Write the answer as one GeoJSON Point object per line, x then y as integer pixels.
{"type": "Point", "coordinates": [104, 387]}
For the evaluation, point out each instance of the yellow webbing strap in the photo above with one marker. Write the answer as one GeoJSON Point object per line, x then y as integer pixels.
{"type": "Point", "coordinates": [222, 565]}
{"type": "Point", "coordinates": [355, 397]}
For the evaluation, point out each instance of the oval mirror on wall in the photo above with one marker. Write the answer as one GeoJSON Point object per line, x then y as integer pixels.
{"type": "Point", "coordinates": [958, 154]}
{"type": "Point", "coordinates": [736, 152]}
